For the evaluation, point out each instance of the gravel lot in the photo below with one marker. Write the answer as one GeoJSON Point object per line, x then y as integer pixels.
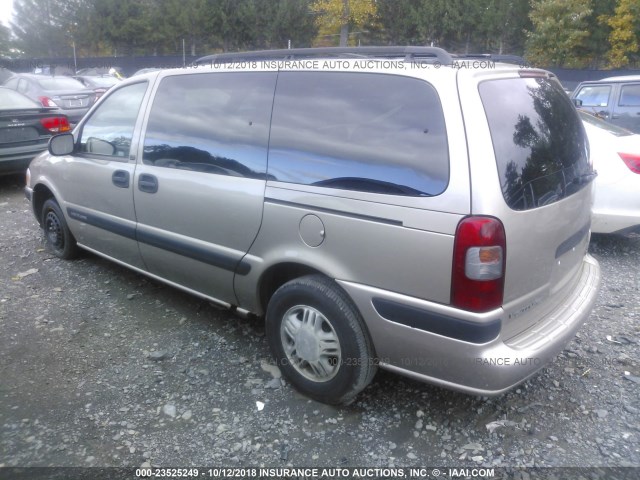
{"type": "Point", "coordinates": [103, 367]}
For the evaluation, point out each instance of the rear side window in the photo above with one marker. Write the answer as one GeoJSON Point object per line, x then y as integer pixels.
{"type": "Point", "coordinates": [538, 139]}
{"type": "Point", "coordinates": [594, 95]}
{"type": "Point", "coordinates": [215, 123]}
{"type": "Point", "coordinates": [359, 131]}
{"type": "Point", "coordinates": [630, 96]}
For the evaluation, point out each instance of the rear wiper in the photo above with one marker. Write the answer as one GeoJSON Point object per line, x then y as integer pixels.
{"type": "Point", "coordinates": [585, 178]}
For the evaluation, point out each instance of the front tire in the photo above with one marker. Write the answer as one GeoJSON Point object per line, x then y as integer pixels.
{"type": "Point", "coordinates": [319, 340]}
{"type": "Point", "coordinates": [59, 238]}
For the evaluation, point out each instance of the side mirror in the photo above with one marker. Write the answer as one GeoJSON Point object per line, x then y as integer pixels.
{"type": "Point", "coordinates": [62, 144]}
{"type": "Point", "coordinates": [577, 102]}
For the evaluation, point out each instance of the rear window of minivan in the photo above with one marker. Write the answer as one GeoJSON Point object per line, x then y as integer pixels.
{"type": "Point", "coordinates": [538, 139]}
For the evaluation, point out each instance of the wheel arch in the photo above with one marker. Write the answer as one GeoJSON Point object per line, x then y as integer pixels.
{"type": "Point", "coordinates": [277, 275]}
{"type": "Point", "coordinates": [41, 193]}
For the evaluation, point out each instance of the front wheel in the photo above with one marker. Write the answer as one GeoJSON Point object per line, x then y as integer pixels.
{"type": "Point", "coordinates": [56, 232]}
{"type": "Point", "coordinates": [319, 340]}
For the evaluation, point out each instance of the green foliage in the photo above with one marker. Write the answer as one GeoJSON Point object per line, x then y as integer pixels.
{"type": "Point", "coordinates": [598, 40]}
{"type": "Point", "coordinates": [570, 33]}
{"type": "Point", "coordinates": [337, 17]}
{"type": "Point", "coordinates": [466, 26]}
{"type": "Point", "coordinates": [41, 27]}
{"type": "Point", "coordinates": [623, 37]}
{"type": "Point", "coordinates": [559, 33]}
{"type": "Point", "coordinates": [5, 35]}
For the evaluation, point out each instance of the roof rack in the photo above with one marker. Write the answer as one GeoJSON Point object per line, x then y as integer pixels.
{"type": "Point", "coordinates": [408, 53]}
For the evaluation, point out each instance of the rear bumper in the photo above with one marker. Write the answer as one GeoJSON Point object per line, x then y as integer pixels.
{"type": "Point", "coordinates": [488, 368]}
{"type": "Point", "coordinates": [17, 159]}
{"type": "Point", "coordinates": [75, 114]}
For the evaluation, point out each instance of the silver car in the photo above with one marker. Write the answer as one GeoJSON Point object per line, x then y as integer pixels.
{"type": "Point", "coordinates": [69, 95]}
{"type": "Point", "coordinates": [379, 207]}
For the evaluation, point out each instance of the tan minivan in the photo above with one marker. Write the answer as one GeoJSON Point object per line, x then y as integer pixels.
{"type": "Point", "coordinates": [393, 207]}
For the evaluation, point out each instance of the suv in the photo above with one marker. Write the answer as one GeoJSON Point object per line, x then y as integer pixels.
{"type": "Point", "coordinates": [615, 99]}
{"type": "Point", "coordinates": [380, 207]}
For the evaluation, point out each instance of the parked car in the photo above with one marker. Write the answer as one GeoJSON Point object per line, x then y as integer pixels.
{"type": "Point", "coordinates": [25, 130]}
{"type": "Point", "coordinates": [5, 74]}
{"type": "Point", "coordinates": [142, 71]}
{"type": "Point", "coordinates": [99, 84]}
{"type": "Point", "coordinates": [66, 93]}
{"type": "Point", "coordinates": [614, 99]}
{"type": "Point", "coordinates": [430, 221]}
{"type": "Point", "coordinates": [615, 152]}
{"type": "Point", "coordinates": [100, 71]}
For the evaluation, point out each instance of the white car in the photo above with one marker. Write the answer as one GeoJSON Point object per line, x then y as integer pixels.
{"type": "Point", "coordinates": [615, 153]}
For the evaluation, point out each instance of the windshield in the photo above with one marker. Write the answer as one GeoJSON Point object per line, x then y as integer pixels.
{"type": "Point", "coordinates": [10, 100]}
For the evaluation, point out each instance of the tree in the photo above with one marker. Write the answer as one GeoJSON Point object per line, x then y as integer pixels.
{"type": "Point", "coordinates": [41, 27]}
{"type": "Point", "coordinates": [125, 23]}
{"type": "Point", "coordinates": [400, 21]}
{"type": "Point", "coordinates": [5, 37]}
{"type": "Point", "coordinates": [559, 33]}
{"type": "Point", "coordinates": [284, 21]}
{"type": "Point", "coordinates": [597, 43]}
{"type": "Point", "coordinates": [471, 26]}
{"type": "Point", "coordinates": [500, 26]}
{"type": "Point", "coordinates": [623, 39]}
{"type": "Point", "coordinates": [343, 15]}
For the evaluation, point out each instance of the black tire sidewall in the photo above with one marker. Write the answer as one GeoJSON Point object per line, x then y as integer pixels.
{"type": "Point", "coordinates": [344, 319]}
{"type": "Point", "coordinates": [68, 249]}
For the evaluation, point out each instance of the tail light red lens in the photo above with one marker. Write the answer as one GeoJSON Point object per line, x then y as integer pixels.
{"type": "Point", "coordinates": [47, 102]}
{"type": "Point", "coordinates": [632, 161]}
{"type": "Point", "coordinates": [56, 124]}
{"type": "Point", "coordinates": [479, 257]}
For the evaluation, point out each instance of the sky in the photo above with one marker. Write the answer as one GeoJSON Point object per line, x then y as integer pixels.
{"type": "Point", "coordinates": [6, 7]}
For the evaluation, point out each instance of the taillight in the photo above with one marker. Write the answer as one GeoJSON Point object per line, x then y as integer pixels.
{"type": "Point", "coordinates": [632, 161]}
{"type": "Point", "coordinates": [47, 102]}
{"type": "Point", "coordinates": [479, 256]}
{"type": "Point", "coordinates": [56, 124]}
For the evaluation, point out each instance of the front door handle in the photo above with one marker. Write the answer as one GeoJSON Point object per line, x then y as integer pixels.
{"type": "Point", "coordinates": [147, 183]}
{"type": "Point", "coordinates": [120, 178]}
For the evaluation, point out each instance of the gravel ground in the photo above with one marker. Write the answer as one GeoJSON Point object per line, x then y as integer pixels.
{"type": "Point", "coordinates": [101, 366]}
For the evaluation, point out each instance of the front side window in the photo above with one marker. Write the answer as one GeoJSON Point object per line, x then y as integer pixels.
{"type": "Point", "coordinates": [630, 96]}
{"type": "Point", "coordinates": [212, 123]}
{"type": "Point", "coordinates": [538, 139]}
{"type": "Point", "coordinates": [368, 132]}
{"type": "Point", "coordinates": [594, 96]}
{"type": "Point", "coordinates": [109, 130]}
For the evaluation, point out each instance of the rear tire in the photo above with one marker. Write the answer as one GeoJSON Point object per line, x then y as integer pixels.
{"type": "Point", "coordinates": [59, 238]}
{"type": "Point", "coordinates": [319, 340]}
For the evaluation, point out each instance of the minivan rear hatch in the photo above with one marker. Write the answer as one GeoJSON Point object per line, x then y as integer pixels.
{"type": "Point", "coordinates": [542, 160]}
